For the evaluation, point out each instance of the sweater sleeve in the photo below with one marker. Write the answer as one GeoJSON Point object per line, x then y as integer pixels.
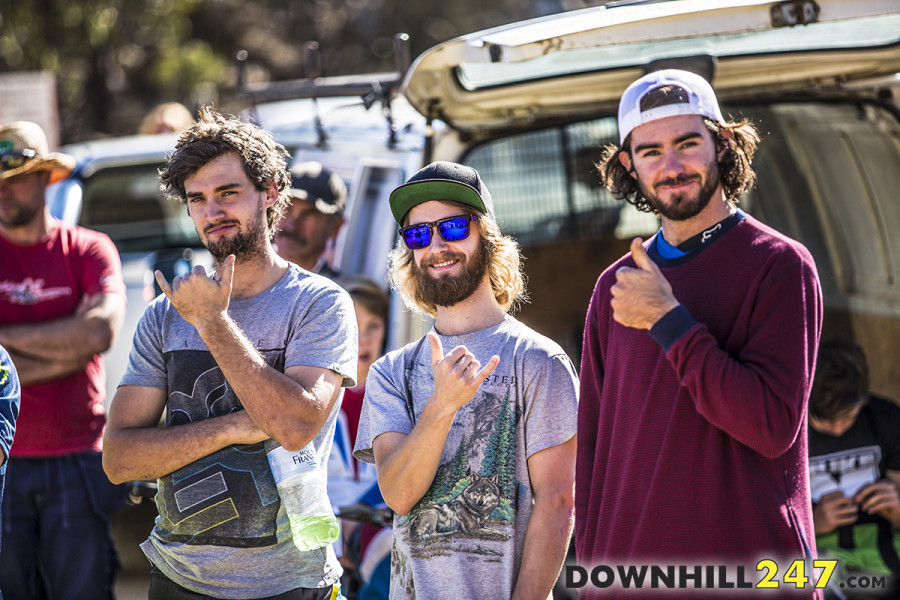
{"type": "Point", "coordinates": [591, 375]}
{"type": "Point", "coordinates": [758, 395]}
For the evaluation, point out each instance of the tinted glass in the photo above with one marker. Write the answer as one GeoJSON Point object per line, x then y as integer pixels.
{"type": "Point", "coordinates": [126, 204]}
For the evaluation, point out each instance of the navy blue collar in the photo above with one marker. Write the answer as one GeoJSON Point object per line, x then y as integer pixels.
{"type": "Point", "coordinates": [695, 244]}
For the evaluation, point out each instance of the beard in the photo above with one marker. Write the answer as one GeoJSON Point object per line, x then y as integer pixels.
{"type": "Point", "coordinates": [682, 206]}
{"type": "Point", "coordinates": [21, 215]}
{"type": "Point", "coordinates": [245, 245]}
{"type": "Point", "coordinates": [450, 290]}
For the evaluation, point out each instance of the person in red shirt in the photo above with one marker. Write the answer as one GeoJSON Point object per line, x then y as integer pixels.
{"type": "Point", "coordinates": [62, 301]}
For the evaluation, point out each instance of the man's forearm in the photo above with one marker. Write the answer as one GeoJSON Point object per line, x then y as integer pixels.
{"type": "Point", "coordinates": [77, 337]}
{"type": "Point", "coordinates": [407, 464]}
{"type": "Point", "coordinates": [290, 412]}
{"type": "Point", "coordinates": [151, 452]}
{"type": "Point", "coordinates": [546, 544]}
{"type": "Point", "coordinates": [36, 370]}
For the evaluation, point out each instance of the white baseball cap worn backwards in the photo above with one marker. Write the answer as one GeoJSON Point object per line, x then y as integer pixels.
{"type": "Point", "coordinates": [700, 99]}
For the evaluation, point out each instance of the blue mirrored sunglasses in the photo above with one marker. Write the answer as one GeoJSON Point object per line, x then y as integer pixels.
{"type": "Point", "coordinates": [451, 229]}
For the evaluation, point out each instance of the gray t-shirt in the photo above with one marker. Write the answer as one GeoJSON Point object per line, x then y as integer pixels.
{"type": "Point", "coordinates": [222, 530]}
{"type": "Point", "coordinates": [464, 538]}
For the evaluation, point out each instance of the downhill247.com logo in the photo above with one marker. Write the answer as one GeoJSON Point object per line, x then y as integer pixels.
{"type": "Point", "coordinates": [768, 574]}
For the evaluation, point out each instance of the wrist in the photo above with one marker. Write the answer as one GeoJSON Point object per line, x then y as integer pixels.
{"type": "Point", "coordinates": [213, 324]}
{"type": "Point", "coordinates": [672, 325]}
{"type": "Point", "coordinates": [439, 412]}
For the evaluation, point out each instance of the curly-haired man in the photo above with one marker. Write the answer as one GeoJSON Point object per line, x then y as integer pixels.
{"type": "Point", "coordinates": [257, 350]}
{"type": "Point", "coordinates": [699, 349]}
{"type": "Point", "coordinates": [472, 428]}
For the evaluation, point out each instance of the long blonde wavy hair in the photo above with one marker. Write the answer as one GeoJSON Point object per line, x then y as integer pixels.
{"type": "Point", "coordinates": [504, 267]}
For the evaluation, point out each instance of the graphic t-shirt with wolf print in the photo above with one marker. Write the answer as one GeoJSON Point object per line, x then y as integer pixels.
{"type": "Point", "coordinates": [222, 530]}
{"type": "Point", "coordinates": [464, 538]}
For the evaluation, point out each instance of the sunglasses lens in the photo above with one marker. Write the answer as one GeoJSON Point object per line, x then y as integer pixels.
{"type": "Point", "coordinates": [416, 237]}
{"type": "Point", "coordinates": [14, 160]}
{"type": "Point", "coordinates": [455, 229]}
{"type": "Point", "coordinates": [9, 161]}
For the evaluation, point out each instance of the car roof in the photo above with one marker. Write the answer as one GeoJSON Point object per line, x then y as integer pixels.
{"type": "Point", "coordinates": [94, 155]}
{"type": "Point", "coordinates": [581, 61]}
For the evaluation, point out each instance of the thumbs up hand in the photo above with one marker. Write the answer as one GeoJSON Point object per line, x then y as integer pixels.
{"type": "Point", "coordinates": [641, 296]}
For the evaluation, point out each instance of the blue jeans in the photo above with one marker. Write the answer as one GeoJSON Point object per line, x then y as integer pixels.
{"type": "Point", "coordinates": [57, 542]}
{"type": "Point", "coordinates": [378, 587]}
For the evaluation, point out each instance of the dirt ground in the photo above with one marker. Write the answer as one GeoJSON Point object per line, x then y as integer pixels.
{"type": "Point", "coordinates": [131, 525]}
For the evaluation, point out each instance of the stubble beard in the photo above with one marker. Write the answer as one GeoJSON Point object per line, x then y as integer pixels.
{"type": "Point", "coordinates": [449, 290]}
{"type": "Point", "coordinates": [24, 215]}
{"type": "Point", "coordinates": [245, 244]}
{"type": "Point", "coordinates": [25, 212]}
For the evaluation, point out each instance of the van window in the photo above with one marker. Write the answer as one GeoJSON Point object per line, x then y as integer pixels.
{"type": "Point", "coordinates": [829, 175]}
{"type": "Point", "coordinates": [546, 189]}
{"type": "Point", "coordinates": [126, 204]}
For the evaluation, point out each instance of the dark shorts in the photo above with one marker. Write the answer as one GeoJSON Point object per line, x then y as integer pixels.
{"type": "Point", "coordinates": [163, 588]}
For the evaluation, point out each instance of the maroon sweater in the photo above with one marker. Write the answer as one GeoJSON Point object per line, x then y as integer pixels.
{"type": "Point", "coordinates": [692, 438]}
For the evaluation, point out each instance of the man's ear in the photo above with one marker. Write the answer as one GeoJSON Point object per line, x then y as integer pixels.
{"type": "Point", "coordinates": [624, 158]}
{"type": "Point", "coordinates": [271, 194]}
{"type": "Point", "coordinates": [725, 137]}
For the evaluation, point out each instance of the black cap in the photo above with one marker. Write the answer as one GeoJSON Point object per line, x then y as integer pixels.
{"type": "Point", "coordinates": [312, 182]}
{"type": "Point", "coordinates": [442, 181]}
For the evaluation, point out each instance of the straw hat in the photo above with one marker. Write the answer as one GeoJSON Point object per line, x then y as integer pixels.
{"type": "Point", "coordinates": [29, 137]}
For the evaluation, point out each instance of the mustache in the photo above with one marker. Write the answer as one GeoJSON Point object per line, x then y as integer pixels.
{"type": "Point", "coordinates": [681, 180]}
{"type": "Point", "coordinates": [443, 258]}
{"type": "Point", "coordinates": [291, 235]}
{"type": "Point", "coordinates": [219, 224]}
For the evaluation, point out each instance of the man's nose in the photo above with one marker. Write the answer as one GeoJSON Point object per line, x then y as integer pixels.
{"type": "Point", "coordinates": [287, 222]}
{"type": "Point", "coordinates": [437, 242]}
{"type": "Point", "coordinates": [214, 209]}
{"type": "Point", "coordinates": [672, 162]}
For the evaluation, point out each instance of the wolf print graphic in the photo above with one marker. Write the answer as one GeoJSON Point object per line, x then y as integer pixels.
{"type": "Point", "coordinates": [467, 513]}
{"type": "Point", "coordinates": [474, 499]}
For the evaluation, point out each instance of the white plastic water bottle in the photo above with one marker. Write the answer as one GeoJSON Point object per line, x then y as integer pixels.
{"type": "Point", "coordinates": [303, 493]}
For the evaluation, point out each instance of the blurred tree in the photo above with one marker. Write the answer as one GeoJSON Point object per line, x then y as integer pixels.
{"type": "Point", "coordinates": [116, 59]}
{"type": "Point", "coordinates": [113, 59]}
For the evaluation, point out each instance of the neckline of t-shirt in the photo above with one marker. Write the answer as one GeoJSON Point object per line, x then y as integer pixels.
{"type": "Point", "coordinates": [280, 283]}
{"type": "Point", "coordinates": [487, 330]}
{"type": "Point", "coordinates": [48, 239]}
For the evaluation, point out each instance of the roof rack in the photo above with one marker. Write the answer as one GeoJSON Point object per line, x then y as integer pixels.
{"type": "Point", "coordinates": [314, 85]}
{"type": "Point", "coordinates": [370, 87]}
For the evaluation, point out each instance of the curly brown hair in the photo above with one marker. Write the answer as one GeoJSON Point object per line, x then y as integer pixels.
{"type": "Point", "coordinates": [735, 171]}
{"type": "Point", "coordinates": [214, 135]}
{"type": "Point", "coordinates": [504, 268]}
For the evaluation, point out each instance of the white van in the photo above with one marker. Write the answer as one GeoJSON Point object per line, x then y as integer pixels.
{"type": "Point", "coordinates": [530, 105]}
